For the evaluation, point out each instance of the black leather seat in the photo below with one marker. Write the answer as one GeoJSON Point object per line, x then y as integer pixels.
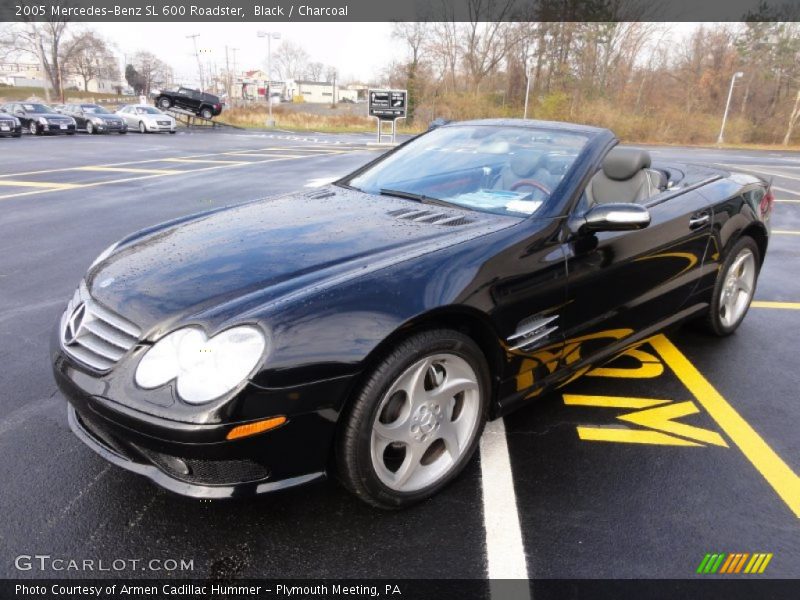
{"type": "Point", "coordinates": [626, 176]}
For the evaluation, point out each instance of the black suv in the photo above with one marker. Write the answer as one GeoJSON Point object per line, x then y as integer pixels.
{"type": "Point", "coordinates": [200, 103]}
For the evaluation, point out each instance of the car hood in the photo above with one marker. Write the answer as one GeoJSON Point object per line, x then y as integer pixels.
{"type": "Point", "coordinates": [48, 116]}
{"type": "Point", "coordinates": [244, 257]}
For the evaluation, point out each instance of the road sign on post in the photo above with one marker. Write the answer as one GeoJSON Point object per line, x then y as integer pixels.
{"type": "Point", "coordinates": [387, 105]}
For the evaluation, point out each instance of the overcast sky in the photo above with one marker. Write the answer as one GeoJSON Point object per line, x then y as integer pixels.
{"type": "Point", "coordinates": [360, 51]}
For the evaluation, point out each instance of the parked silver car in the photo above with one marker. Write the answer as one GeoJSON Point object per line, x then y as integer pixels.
{"type": "Point", "coordinates": [146, 119]}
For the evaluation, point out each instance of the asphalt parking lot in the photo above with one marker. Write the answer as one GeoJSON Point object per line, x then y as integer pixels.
{"type": "Point", "coordinates": [684, 447]}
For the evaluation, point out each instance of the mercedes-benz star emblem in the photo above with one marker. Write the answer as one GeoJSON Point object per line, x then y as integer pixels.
{"type": "Point", "coordinates": [74, 324]}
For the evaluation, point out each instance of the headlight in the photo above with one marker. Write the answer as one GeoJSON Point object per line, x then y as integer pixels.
{"type": "Point", "coordinates": [42, 120]}
{"type": "Point", "coordinates": [204, 368]}
{"type": "Point", "coordinates": [17, 121]}
{"type": "Point", "coordinates": [104, 255]}
{"type": "Point", "coordinates": [97, 121]}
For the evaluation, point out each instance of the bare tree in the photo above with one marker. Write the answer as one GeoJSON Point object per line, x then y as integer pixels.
{"type": "Point", "coordinates": [151, 70]}
{"type": "Point", "coordinates": [291, 60]}
{"type": "Point", "coordinates": [314, 71]}
{"type": "Point", "coordinates": [93, 59]}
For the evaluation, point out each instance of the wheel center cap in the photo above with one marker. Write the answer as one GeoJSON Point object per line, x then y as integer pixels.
{"type": "Point", "coordinates": [427, 422]}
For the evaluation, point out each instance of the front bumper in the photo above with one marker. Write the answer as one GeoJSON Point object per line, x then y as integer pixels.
{"type": "Point", "coordinates": [100, 443]}
{"type": "Point", "coordinates": [110, 127]}
{"type": "Point", "coordinates": [54, 128]}
{"type": "Point", "coordinates": [9, 129]}
{"type": "Point", "coordinates": [195, 459]}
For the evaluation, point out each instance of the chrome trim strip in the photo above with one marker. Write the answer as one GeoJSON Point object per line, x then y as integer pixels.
{"type": "Point", "coordinates": [536, 338]}
{"type": "Point", "coordinates": [533, 328]}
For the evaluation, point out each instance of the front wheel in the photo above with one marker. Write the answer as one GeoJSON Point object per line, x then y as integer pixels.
{"type": "Point", "coordinates": [164, 103]}
{"type": "Point", "coordinates": [416, 421]}
{"type": "Point", "coordinates": [33, 128]}
{"type": "Point", "coordinates": [206, 113]}
{"type": "Point", "coordinates": [142, 127]}
{"type": "Point", "coordinates": [89, 128]}
{"type": "Point", "coordinates": [734, 288]}
{"type": "Point", "coordinates": [123, 132]}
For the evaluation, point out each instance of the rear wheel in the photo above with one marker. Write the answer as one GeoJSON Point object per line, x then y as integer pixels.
{"type": "Point", "coordinates": [16, 135]}
{"type": "Point", "coordinates": [734, 288]}
{"type": "Point", "coordinates": [416, 421]}
{"type": "Point", "coordinates": [164, 103]}
{"type": "Point", "coordinates": [206, 113]}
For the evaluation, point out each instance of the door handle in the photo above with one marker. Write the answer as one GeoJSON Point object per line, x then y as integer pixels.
{"type": "Point", "coordinates": [699, 220]}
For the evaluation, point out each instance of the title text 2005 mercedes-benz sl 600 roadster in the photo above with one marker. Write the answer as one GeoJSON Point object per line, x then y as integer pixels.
{"type": "Point", "coordinates": [368, 328]}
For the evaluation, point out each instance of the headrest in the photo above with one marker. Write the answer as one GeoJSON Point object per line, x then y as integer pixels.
{"type": "Point", "coordinates": [523, 163]}
{"type": "Point", "coordinates": [624, 163]}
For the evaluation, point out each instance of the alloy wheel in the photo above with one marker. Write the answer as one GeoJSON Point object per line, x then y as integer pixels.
{"type": "Point", "coordinates": [425, 422]}
{"type": "Point", "coordinates": [737, 291]}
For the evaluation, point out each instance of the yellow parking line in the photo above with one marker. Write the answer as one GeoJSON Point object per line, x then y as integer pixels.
{"type": "Point", "coordinates": [782, 305]}
{"type": "Point", "coordinates": [262, 154]}
{"type": "Point", "coordinates": [227, 165]}
{"type": "Point", "coordinates": [785, 232]}
{"type": "Point", "coordinates": [127, 170]}
{"type": "Point", "coordinates": [771, 466]}
{"type": "Point", "coordinates": [200, 160]}
{"type": "Point", "coordinates": [39, 184]}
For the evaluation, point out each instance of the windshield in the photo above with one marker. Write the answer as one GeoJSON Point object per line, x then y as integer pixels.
{"type": "Point", "coordinates": [37, 108]}
{"type": "Point", "coordinates": [147, 110]}
{"type": "Point", "coordinates": [502, 170]}
{"type": "Point", "coordinates": [94, 110]}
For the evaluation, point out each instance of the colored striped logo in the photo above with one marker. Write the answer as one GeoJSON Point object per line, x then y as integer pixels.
{"type": "Point", "coordinates": [735, 562]}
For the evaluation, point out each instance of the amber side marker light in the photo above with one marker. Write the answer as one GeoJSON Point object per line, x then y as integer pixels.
{"type": "Point", "coordinates": [241, 431]}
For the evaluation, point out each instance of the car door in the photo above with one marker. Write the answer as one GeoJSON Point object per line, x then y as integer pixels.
{"type": "Point", "coordinates": [125, 113]}
{"type": "Point", "coordinates": [623, 285]}
{"type": "Point", "coordinates": [76, 112]}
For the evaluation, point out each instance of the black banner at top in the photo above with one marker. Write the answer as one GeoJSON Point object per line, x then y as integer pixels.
{"type": "Point", "coordinates": [398, 10]}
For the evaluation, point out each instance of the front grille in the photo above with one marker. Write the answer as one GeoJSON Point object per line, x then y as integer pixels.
{"type": "Point", "coordinates": [94, 335]}
{"type": "Point", "coordinates": [163, 122]}
{"type": "Point", "coordinates": [207, 472]}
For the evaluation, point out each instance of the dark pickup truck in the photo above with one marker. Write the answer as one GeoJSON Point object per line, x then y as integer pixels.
{"type": "Point", "coordinates": [200, 103]}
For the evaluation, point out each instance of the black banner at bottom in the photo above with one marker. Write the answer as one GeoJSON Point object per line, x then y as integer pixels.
{"type": "Point", "coordinates": [407, 589]}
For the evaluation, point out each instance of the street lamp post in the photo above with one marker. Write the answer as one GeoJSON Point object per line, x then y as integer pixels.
{"type": "Point", "coordinates": [270, 35]}
{"type": "Point", "coordinates": [736, 76]}
{"type": "Point", "coordinates": [527, 91]}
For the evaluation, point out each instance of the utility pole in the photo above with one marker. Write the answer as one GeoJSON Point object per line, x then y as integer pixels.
{"type": "Point", "coordinates": [194, 37]}
{"type": "Point", "coordinates": [270, 35]}
{"type": "Point", "coordinates": [793, 118]}
{"type": "Point", "coordinates": [40, 52]}
{"type": "Point", "coordinates": [736, 76]}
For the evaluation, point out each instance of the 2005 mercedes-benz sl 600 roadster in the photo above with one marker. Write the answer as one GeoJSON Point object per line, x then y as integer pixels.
{"type": "Point", "coordinates": [369, 328]}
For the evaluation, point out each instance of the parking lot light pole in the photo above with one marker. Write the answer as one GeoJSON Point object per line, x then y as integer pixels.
{"type": "Point", "coordinates": [270, 35]}
{"type": "Point", "coordinates": [736, 76]}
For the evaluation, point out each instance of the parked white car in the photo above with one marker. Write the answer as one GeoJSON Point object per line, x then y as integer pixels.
{"type": "Point", "coordinates": [146, 119]}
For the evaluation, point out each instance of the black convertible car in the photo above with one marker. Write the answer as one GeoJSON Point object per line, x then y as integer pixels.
{"type": "Point", "coordinates": [369, 328]}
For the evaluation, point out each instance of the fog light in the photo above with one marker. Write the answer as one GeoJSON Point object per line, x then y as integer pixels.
{"type": "Point", "coordinates": [249, 429]}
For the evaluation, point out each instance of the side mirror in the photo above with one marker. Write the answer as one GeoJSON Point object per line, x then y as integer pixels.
{"type": "Point", "coordinates": [611, 217]}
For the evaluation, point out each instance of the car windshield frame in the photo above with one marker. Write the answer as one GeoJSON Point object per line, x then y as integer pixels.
{"type": "Point", "coordinates": [481, 167]}
{"type": "Point", "coordinates": [147, 110]}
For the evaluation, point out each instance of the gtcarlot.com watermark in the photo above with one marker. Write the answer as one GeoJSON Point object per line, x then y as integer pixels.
{"type": "Point", "coordinates": [48, 563]}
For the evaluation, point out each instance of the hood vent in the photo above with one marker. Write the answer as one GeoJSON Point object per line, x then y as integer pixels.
{"type": "Point", "coordinates": [429, 216]}
{"type": "Point", "coordinates": [319, 195]}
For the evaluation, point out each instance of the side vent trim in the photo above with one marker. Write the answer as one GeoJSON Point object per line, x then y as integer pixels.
{"type": "Point", "coordinates": [532, 330]}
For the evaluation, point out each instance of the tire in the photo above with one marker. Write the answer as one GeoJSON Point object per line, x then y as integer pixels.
{"type": "Point", "coordinates": [206, 113]}
{"type": "Point", "coordinates": [142, 128]}
{"type": "Point", "coordinates": [17, 135]}
{"type": "Point", "coordinates": [89, 128]}
{"type": "Point", "coordinates": [123, 132]}
{"type": "Point", "coordinates": [33, 128]}
{"type": "Point", "coordinates": [734, 288]}
{"type": "Point", "coordinates": [173, 132]}
{"type": "Point", "coordinates": [164, 103]}
{"type": "Point", "coordinates": [395, 474]}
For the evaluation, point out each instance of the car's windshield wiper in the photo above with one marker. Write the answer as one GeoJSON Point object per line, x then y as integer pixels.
{"type": "Point", "coordinates": [418, 197]}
